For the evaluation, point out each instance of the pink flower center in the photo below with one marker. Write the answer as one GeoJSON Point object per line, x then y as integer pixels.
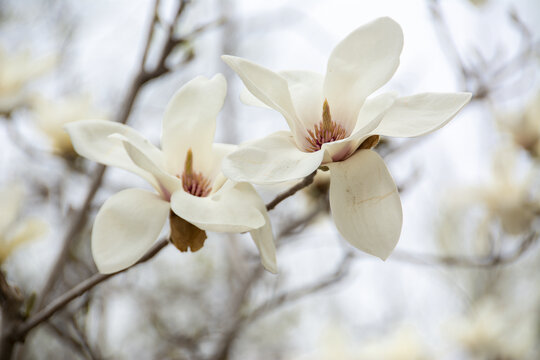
{"type": "Point", "coordinates": [325, 131]}
{"type": "Point", "coordinates": [194, 182]}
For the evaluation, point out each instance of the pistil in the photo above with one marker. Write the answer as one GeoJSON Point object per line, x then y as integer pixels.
{"type": "Point", "coordinates": [324, 132]}
{"type": "Point", "coordinates": [194, 182]}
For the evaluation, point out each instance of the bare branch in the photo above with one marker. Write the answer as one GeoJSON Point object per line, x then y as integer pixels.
{"type": "Point", "coordinates": [142, 77]}
{"type": "Point", "coordinates": [339, 273]}
{"type": "Point", "coordinates": [245, 319]}
{"type": "Point", "coordinates": [10, 301]}
{"type": "Point", "coordinates": [75, 292]}
{"type": "Point", "coordinates": [469, 262]}
{"type": "Point", "coordinates": [293, 190]}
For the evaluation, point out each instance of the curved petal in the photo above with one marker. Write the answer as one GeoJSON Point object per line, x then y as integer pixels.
{"type": "Point", "coordinates": [190, 122]}
{"type": "Point", "coordinates": [369, 118]}
{"type": "Point", "coordinates": [306, 89]}
{"type": "Point", "coordinates": [360, 64]}
{"type": "Point", "coordinates": [264, 239]}
{"type": "Point", "coordinates": [270, 160]}
{"type": "Point", "coordinates": [270, 88]}
{"type": "Point", "coordinates": [167, 184]}
{"type": "Point", "coordinates": [421, 114]}
{"type": "Point", "coordinates": [91, 139]}
{"type": "Point", "coordinates": [365, 203]}
{"type": "Point", "coordinates": [125, 228]}
{"type": "Point", "coordinates": [249, 99]}
{"type": "Point", "coordinates": [230, 209]}
{"type": "Point", "coordinates": [219, 152]}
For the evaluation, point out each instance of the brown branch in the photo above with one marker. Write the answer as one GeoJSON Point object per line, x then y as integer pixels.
{"type": "Point", "coordinates": [142, 77]}
{"type": "Point", "coordinates": [445, 37]}
{"type": "Point", "coordinates": [469, 262]}
{"type": "Point", "coordinates": [293, 190]}
{"type": "Point", "coordinates": [10, 301]}
{"type": "Point", "coordinates": [21, 331]}
{"type": "Point", "coordinates": [287, 297]}
{"type": "Point", "coordinates": [245, 319]}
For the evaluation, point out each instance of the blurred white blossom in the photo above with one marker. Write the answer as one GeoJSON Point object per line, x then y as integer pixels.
{"type": "Point", "coordinates": [524, 126]}
{"type": "Point", "coordinates": [51, 116]}
{"type": "Point", "coordinates": [16, 71]}
{"type": "Point", "coordinates": [494, 331]}
{"type": "Point", "coordinates": [511, 197]}
{"type": "Point", "coordinates": [402, 343]}
{"type": "Point", "coordinates": [13, 230]}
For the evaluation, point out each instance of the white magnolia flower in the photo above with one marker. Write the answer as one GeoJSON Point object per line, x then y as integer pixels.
{"type": "Point", "coordinates": [51, 117]}
{"type": "Point", "coordinates": [494, 331]}
{"type": "Point", "coordinates": [511, 197]}
{"type": "Point", "coordinates": [331, 117]}
{"type": "Point", "coordinates": [402, 343]}
{"type": "Point", "coordinates": [524, 126]}
{"type": "Point", "coordinates": [186, 173]}
{"type": "Point", "coordinates": [15, 232]}
{"type": "Point", "coordinates": [15, 72]}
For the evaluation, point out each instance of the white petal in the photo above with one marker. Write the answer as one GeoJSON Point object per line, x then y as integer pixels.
{"type": "Point", "coordinates": [230, 209]}
{"type": "Point", "coordinates": [421, 114]}
{"type": "Point", "coordinates": [365, 203]}
{"type": "Point", "coordinates": [369, 118]}
{"type": "Point", "coordinates": [249, 99]}
{"type": "Point", "coordinates": [270, 160]}
{"type": "Point", "coordinates": [219, 152]}
{"type": "Point", "coordinates": [167, 184]}
{"type": "Point", "coordinates": [306, 89]}
{"type": "Point", "coordinates": [190, 122]}
{"type": "Point", "coordinates": [91, 139]}
{"type": "Point", "coordinates": [125, 228]}
{"type": "Point", "coordinates": [270, 88]}
{"type": "Point", "coordinates": [360, 64]}
{"type": "Point", "coordinates": [371, 113]}
{"type": "Point", "coordinates": [264, 239]}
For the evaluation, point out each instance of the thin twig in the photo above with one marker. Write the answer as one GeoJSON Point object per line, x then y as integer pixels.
{"type": "Point", "coordinates": [75, 292]}
{"type": "Point", "coordinates": [245, 319]}
{"type": "Point", "coordinates": [468, 262]}
{"type": "Point", "coordinates": [287, 297]}
{"type": "Point", "coordinates": [142, 77]}
{"type": "Point", "coordinates": [293, 190]}
{"type": "Point", "coordinates": [10, 302]}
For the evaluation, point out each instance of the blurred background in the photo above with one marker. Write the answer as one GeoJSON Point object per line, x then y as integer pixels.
{"type": "Point", "coordinates": [463, 281]}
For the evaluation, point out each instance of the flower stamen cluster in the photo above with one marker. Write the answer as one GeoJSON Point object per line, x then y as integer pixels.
{"type": "Point", "coordinates": [324, 132]}
{"type": "Point", "coordinates": [194, 182]}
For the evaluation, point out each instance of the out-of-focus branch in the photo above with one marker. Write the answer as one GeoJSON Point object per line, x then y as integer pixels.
{"type": "Point", "coordinates": [293, 190]}
{"type": "Point", "coordinates": [10, 301]}
{"type": "Point", "coordinates": [287, 297]}
{"type": "Point", "coordinates": [469, 262]}
{"type": "Point", "coordinates": [21, 331]}
{"type": "Point", "coordinates": [143, 76]}
{"type": "Point", "coordinates": [446, 39]}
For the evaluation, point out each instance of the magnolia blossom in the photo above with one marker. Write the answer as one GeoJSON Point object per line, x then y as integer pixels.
{"type": "Point", "coordinates": [15, 72]}
{"type": "Point", "coordinates": [51, 117]}
{"type": "Point", "coordinates": [334, 123]}
{"type": "Point", "coordinates": [511, 198]}
{"type": "Point", "coordinates": [402, 343]}
{"type": "Point", "coordinates": [493, 331]}
{"type": "Point", "coordinates": [13, 232]}
{"type": "Point", "coordinates": [524, 126]}
{"type": "Point", "coordinates": [185, 172]}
